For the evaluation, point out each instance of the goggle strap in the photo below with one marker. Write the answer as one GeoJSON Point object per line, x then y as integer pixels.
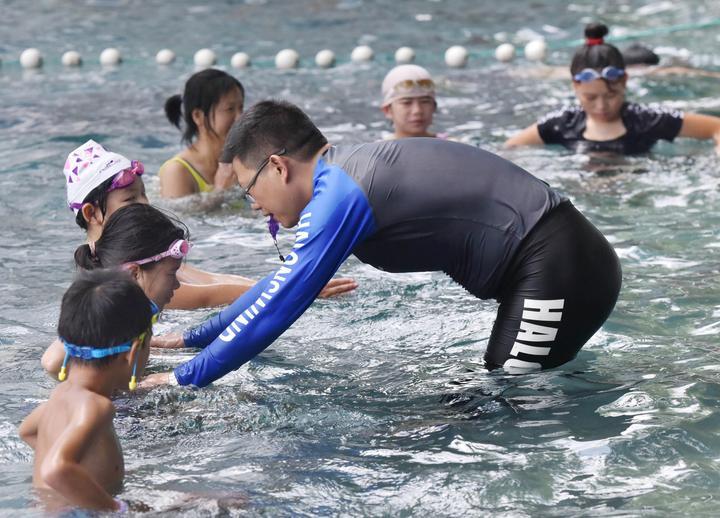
{"type": "Point", "coordinates": [63, 370]}
{"type": "Point", "coordinates": [133, 379]}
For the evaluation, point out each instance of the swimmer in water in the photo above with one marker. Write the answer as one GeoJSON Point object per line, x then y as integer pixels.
{"type": "Point", "coordinates": [105, 327]}
{"type": "Point", "coordinates": [409, 102]}
{"type": "Point", "coordinates": [604, 120]}
{"type": "Point", "coordinates": [211, 102]}
{"type": "Point", "coordinates": [143, 241]}
{"type": "Point", "coordinates": [554, 274]}
{"type": "Point", "coordinates": [99, 182]}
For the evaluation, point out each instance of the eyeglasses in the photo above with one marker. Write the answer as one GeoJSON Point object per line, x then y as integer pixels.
{"type": "Point", "coordinates": [246, 191]}
{"type": "Point", "coordinates": [261, 166]}
{"type": "Point", "coordinates": [590, 74]}
{"type": "Point", "coordinates": [177, 250]}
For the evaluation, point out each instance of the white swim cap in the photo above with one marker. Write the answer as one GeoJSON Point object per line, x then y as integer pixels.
{"type": "Point", "coordinates": [407, 81]}
{"type": "Point", "coordinates": [87, 167]}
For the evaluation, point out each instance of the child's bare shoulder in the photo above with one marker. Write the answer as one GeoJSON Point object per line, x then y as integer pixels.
{"type": "Point", "coordinates": [93, 409]}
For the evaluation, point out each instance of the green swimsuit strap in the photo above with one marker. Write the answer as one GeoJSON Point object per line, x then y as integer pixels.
{"type": "Point", "coordinates": [202, 184]}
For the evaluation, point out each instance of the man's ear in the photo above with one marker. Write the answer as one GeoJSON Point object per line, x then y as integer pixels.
{"type": "Point", "coordinates": [280, 165]}
{"type": "Point", "coordinates": [387, 110]}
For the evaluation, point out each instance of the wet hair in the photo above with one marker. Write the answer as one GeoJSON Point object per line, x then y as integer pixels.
{"type": "Point", "coordinates": [136, 231]}
{"type": "Point", "coordinates": [268, 127]}
{"type": "Point", "coordinates": [98, 196]}
{"type": "Point", "coordinates": [639, 54]}
{"type": "Point", "coordinates": [103, 308]}
{"type": "Point", "coordinates": [598, 56]}
{"type": "Point", "coordinates": [202, 91]}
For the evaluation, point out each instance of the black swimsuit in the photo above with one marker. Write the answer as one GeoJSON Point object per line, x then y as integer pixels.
{"type": "Point", "coordinates": [645, 125]}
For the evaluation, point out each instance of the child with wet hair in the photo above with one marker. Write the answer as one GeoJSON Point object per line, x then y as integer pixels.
{"type": "Point", "coordinates": [408, 102]}
{"type": "Point", "coordinates": [211, 102]}
{"type": "Point", "coordinates": [105, 327]}
{"type": "Point", "coordinates": [604, 120]}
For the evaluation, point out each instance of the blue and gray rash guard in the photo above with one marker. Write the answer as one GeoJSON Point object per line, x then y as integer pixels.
{"type": "Point", "coordinates": [409, 205]}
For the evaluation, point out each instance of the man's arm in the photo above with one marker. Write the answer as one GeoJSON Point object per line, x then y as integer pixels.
{"type": "Point", "coordinates": [329, 229]}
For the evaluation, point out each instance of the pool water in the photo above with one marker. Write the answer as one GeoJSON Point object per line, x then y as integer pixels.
{"type": "Point", "coordinates": [376, 403]}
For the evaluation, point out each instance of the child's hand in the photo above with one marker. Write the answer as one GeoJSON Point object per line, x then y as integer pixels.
{"type": "Point", "coordinates": [224, 177]}
{"type": "Point", "coordinates": [168, 341]}
{"type": "Point", "coordinates": [157, 379]}
{"type": "Point", "coordinates": [337, 287]}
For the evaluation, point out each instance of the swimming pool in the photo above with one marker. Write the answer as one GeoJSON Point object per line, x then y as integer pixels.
{"type": "Point", "coordinates": [376, 403]}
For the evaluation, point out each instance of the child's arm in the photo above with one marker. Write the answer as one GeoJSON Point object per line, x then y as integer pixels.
{"type": "Point", "coordinates": [201, 289]}
{"type": "Point", "coordinates": [53, 357]}
{"type": "Point", "coordinates": [701, 127]}
{"type": "Point", "coordinates": [528, 137]}
{"type": "Point", "coordinates": [29, 427]}
{"type": "Point", "coordinates": [61, 470]}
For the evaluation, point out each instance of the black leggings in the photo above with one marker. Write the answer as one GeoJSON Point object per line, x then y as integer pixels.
{"type": "Point", "coordinates": [561, 286]}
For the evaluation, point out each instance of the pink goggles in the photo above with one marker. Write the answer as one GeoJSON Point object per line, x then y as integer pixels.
{"type": "Point", "coordinates": [123, 179]}
{"type": "Point", "coordinates": [127, 177]}
{"type": "Point", "coordinates": [177, 250]}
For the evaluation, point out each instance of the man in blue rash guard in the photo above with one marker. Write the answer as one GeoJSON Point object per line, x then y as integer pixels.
{"type": "Point", "coordinates": [409, 205]}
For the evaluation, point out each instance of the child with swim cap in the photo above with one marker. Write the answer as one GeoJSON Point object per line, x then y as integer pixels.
{"type": "Point", "coordinates": [105, 326]}
{"type": "Point", "coordinates": [99, 182]}
{"type": "Point", "coordinates": [211, 102]}
{"type": "Point", "coordinates": [409, 101]}
{"type": "Point", "coordinates": [604, 120]}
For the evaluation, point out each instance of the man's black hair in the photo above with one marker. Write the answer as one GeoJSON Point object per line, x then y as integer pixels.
{"type": "Point", "coordinates": [269, 127]}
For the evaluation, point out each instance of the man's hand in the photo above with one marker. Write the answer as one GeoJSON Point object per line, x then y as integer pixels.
{"type": "Point", "coordinates": [337, 287]}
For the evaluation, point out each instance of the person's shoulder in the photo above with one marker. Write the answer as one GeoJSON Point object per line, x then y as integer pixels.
{"type": "Point", "coordinates": [566, 114]}
{"type": "Point", "coordinates": [650, 110]}
{"type": "Point", "coordinates": [171, 167]}
{"type": "Point", "coordinates": [94, 407]}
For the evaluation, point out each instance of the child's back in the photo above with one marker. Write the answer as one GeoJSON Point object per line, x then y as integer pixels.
{"type": "Point", "coordinates": [104, 321]}
{"type": "Point", "coordinates": [78, 419]}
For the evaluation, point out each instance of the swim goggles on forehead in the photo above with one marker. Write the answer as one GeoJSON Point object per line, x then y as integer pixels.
{"type": "Point", "coordinates": [124, 178]}
{"type": "Point", "coordinates": [590, 74]}
{"type": "Point", "coordinates": [87, 353]}
{"type": "Point", "coordinates": [412, 84]}
{"type": "Point", "coordinates": [178, 249]}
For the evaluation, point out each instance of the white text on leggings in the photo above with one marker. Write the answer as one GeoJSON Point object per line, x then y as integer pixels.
{"type": "Point", "coordinates": [535, 334]}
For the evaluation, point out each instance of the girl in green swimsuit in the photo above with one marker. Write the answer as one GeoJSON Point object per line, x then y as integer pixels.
{"type": "Point", "coordinates": [211, 102]}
